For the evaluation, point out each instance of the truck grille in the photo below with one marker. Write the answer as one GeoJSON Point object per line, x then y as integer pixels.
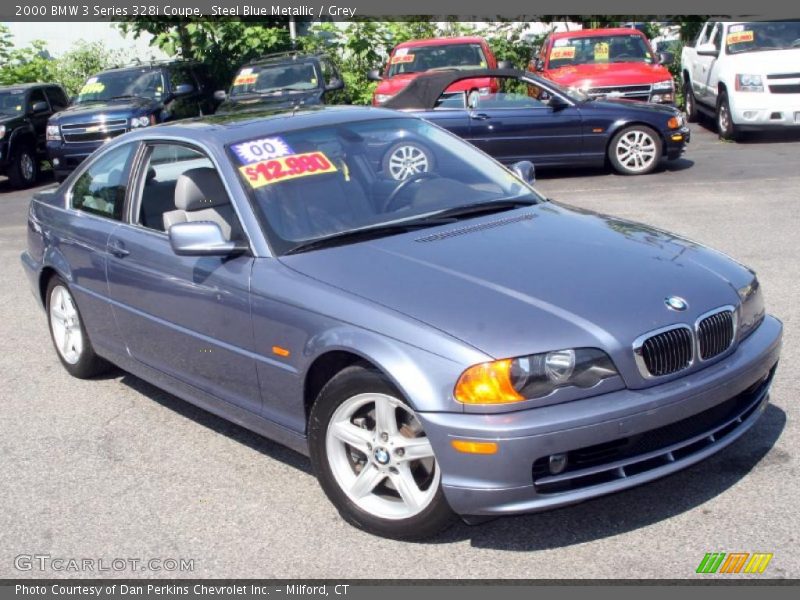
{"type": "Point", "coordinates": [715, 334]}
{"type": "Point", "coordinates": [93, 132]}
{"type": "Point", "coordinates": [788, 88]}
{"type": "Point", "coordinates": [632, 92]}
{"type": "Point", "coordinates": [665, 352]}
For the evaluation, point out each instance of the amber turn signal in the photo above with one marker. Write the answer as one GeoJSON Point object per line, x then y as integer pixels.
{"type": "Point", "coordinates": [487, 383]}
{"type": "Point", "coordinates": [674, 123]}
{"type": "Point", "coordinates": [470, 447]}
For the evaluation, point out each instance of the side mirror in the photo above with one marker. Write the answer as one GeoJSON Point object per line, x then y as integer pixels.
{"type": "Point", "coordinates": [220, 95]}
{"type": "Point", "coordinates": [183, 89]}
{"type": "Point", "coordinates": [707, 49]}
{"type": "Point", "coordinates": [505, 64]}
{"type": "Point", "coordinates": [374, 75]}
{"type": "Point", "coordinates": [202, 238]}
{"type": "Point", "coordinates": [538, 64]}
{"type": "Point", "coordinates": [525, 170]}
{"type": "Point", "coordinates": [334, 85]}
{"type": "Point", "coordinates": [556, 102]}
{"type": "Point", "coordinates": [666, 58]}
{"type": "Point", "coordinates": [39, 107]}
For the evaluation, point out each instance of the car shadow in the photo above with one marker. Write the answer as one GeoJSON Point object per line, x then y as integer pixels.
{"type": "Point", "coordinates": [768, 136]}
{"type": "Point", "coordinates": [576, 524]}
{"type": "Point", "coordinates": [665, 166]}
{"type": "Point", "coordinates": [214, 423]}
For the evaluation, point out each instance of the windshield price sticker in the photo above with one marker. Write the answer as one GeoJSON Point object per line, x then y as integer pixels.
{"type": "Point", "coordinates": [92, 87]}
{"type": "Point", "coordinates": [263, 149]}
{"type": "Point", "coordinates": [267, 172]}
{"type": "Point", "coordinates": [564, 52]}
{"type": "Point", "coordinates": [402, 58]}
{"type": "Point", "coordinates": [601, 51]}
{"type": "Point", "coordinates": [739, 37]}
{"type": "Point", "coordinates": [245, 79]}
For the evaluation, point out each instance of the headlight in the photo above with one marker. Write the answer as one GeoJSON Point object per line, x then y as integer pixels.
{"type": "Point", "coordinates": [749, 83]}
{"type": "Point", "coordinates": [535, 376]}
{"type": "Point", "coordinates": [381, 98]}
{"type": "Point", "coordinates": [2, 131]}
{"type": "Point", "coordinates": [53, 133]}
{"type": "Point", "coordinates": [141, 121]}
{"type": "Point", "coordinates": [752, 311]}
{"type": "Point", "coordinates": [664, 86]}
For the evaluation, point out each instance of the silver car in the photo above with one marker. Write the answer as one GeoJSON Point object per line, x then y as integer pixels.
{"type": "Point", "coordinates": [444, 343]}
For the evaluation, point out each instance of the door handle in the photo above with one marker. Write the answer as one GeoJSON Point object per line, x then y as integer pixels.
{"type": "Point", "coordinates": [480, 116]}
{"type": "Point", "coordinates": [118, 249]}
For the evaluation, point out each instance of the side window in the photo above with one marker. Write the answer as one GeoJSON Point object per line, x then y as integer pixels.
{"type": "Point", "coordinates": [58, 99]}
{"type": "Point", "coordinates": [718, 36]}
{"type": "Point", "coordinates": [100, 190]}
{"type": "Point", "coordinates": [37, 95]}
{"type": "Point", "coordinates": [181, 185]}
{"type": "Point", "coordinates": [328, 71]}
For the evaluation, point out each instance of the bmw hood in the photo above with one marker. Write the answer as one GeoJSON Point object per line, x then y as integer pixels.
{"type": "Point", "coordinates": [535, 279]}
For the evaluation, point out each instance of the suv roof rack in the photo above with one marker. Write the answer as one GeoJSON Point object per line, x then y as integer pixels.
{"type": "Point", "coordinates": [294, 54]}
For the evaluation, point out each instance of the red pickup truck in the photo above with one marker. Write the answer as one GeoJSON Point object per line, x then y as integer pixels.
{"type": "Point", "coordinates": [610, 63]}
{"type": "Point", "coordinates": [409, 59]}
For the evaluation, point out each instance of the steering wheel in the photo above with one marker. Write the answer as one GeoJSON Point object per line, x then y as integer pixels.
{"type": "Point", "coordinates": [390, 201]}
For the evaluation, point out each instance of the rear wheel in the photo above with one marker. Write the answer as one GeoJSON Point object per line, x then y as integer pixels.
{"type": "Point", "coordinates": [69, 334]}
{"type": "Point", "coordinates": [725, 126]}
{"type": "Point", "coordinates": [24, 168]}
{"type": "Point", "coordinates": [373, 460]}
{"type": "Point", "coordinates": [635, 150]}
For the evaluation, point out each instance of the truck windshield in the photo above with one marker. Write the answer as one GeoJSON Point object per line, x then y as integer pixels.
{"type": "Point", "coordinates": [145, 83]}
{"type": "Point", "coordinates": [599, 49]}
{"type": "Point", "coordinates": [755, 37]}
{"type": "Point", "coordinates": [275, 79]}
{"type": "Point", "coordinates": [445, 56]}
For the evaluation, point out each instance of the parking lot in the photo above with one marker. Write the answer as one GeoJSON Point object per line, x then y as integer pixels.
{"type": "Point", "coordinates": [115, 468]}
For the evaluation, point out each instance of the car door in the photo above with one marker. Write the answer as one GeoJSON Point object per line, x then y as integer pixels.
{"type": "Point", "coordinates": [450, 113]}
{"type": "Point", "coordinates": [514, 125]}
{"type": "Point", "coordinates": [701, 70]}
{"type": "Point", "coordinates": [186, 316]}
{"type": "Point", "coordinates": [38, 119]}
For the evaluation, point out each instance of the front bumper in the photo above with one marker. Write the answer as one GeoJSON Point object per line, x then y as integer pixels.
{"type": "Point", "coordinates": [676, 141]}
{"type": "Point", "coordinates": [758, 110]}
{"type": "Point", "coordinates": [65, 157]}
{"type": "Point", "coordinates": [511, 480]}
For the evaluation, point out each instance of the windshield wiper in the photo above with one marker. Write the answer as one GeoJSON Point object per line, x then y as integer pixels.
{"type": "Point", "coordinates": [482, 208]}
{"type": "Point", "coordinates": [123, 96]}
{"type": "Point", "coordinates": [368, 233]}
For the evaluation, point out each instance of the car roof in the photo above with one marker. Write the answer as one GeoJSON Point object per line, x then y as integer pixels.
{"type": "Point", "coordinates": [441, 41]}
{"type": "Point", "coordinates": [26, 86]}
{"type": "Point", "coordinates": [235, 127]}
{"type": "Point", "coordinates": [147, 65]}
{"type": "Point", "coordinates": [596, 32]}
{"type": "Point", "coordinates": [283, 57]}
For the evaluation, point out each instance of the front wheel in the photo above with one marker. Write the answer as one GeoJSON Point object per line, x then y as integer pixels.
{"type": "Point", "coordinates": [725, 125]}
{"type": "Point", "coordinates": [690, 103]}
{"type": "Point", "coordinates": [635, 150]}
{"type": "Point", "coordinates": [24, 168]}
{"type": "Point", "coordinates": [373, 459]}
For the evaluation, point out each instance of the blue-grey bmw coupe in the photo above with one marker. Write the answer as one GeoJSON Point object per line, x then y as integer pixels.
{"type": "Point", "coordinates": [443, 343]}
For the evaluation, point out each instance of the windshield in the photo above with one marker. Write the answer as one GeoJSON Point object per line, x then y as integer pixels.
{"type": "Point", "coordinates": [12, 102]}
{"type": "Point", "coordinates": [145, 83]}
{"type": "Point", "coordinates": [447, 56]}
{"type": "Point", "coordinates": [326, 181]}
{"type": "Point", "coordinates": [755, 37]}
{"type": "Point", "coordinates": [266, 80]}
{"type": "Point", "coordinates": [599, 49]}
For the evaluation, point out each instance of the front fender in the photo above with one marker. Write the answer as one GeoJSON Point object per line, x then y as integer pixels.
{"type": "Point", "coordinates": [21, 136]}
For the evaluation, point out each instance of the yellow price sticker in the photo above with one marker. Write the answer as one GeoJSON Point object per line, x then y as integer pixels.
{"type": "Point", "coordinates": [564, 52]}
{"type": "Point", "coordinates": [601, 51]}
{"type": "Point", "coordinates": [92, 88]}
{"type": "Point", "coordinates": [739, 37]}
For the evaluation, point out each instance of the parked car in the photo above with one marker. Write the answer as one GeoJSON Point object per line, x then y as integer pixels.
{"type": "Point", "coordinates": [535, 119]}
{"type": "Point", "coordinates": [409, 59]}
{"type": "Point", "coordinates": [119, 100]}
{"type": "Point", "coordinates": [745, 74]}
{"type": "Point", "coordinates": [24, 110]}
{"type": "Point", "coordinates": [422, 340]}
{"type": "Point", "coordinates": [608, 63]}
{"type": "Point", "coordinates": [283, 80]}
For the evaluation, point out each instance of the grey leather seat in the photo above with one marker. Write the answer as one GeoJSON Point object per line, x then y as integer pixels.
{"type": "Point", "coordinates": [200, 196]}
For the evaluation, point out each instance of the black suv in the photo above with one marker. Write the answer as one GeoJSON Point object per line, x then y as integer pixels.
{"type": "Point", "coordinates": [24, 110]}
{"type": "Point", "coordinates": [283, 80]}
{"type": "Point", "coordinates": [118, 100]}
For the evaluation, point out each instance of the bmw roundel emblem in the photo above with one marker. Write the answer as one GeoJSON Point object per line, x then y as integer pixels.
{"type": "Point", "coordinates": [676, 303]}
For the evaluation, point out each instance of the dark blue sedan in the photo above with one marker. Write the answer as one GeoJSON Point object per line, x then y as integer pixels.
{"type": "Point", "coordinates": [536, 119]}
{"type": "Point", "coordinates": [446, 343]}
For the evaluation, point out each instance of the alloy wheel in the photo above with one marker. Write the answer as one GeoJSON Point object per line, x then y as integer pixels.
{"type": "Point", "coordinates": [636, 150]}
{"type": "Point", "coordinates": [407, 160]}
{"type": "Point", "coordinates": [66, 325]}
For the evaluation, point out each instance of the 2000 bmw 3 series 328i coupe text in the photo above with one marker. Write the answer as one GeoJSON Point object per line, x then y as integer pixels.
{"type": "Point", "coordinates": [446, 344]}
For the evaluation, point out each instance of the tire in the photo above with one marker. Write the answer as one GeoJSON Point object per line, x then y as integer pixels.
{"type": "Point", "coordinates": [358, 475]}
{"type": "Point", "coordinates": [24, 169]}
{"type": "Point", "coordinates": [404, 159]}
{"type": "Point", "coordinates": [68, 332]}
{"type": "Point", "coordinates": [635, 150]}
{"type": "Point", "coordinates": [690, 103]}
{"type": "Point", "coordinates": [725, 125]}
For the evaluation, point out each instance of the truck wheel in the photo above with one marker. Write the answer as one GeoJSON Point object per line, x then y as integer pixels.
{"type": "Point", "coordinates": [689, 102]}
{"type": "Point", "coordinates": [725, 125]}
{"type": "Point", "coordinates": [24, 168]}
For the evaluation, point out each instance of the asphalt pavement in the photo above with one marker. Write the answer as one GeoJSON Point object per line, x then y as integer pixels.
{"type": "Point", "coordinates": [115, 468]}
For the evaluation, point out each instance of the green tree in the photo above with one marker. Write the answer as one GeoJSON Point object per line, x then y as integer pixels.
{"type": "Point", "coordinates": [23, 65]}
{"type": "Point", "coordinates": [81, 61]}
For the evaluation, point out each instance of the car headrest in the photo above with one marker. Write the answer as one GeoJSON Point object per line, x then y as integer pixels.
{"type": "Point", "coordinates": [200, 188]}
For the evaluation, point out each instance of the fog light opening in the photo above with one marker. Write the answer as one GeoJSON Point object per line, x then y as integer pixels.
{"type": "Point", "coordinates": [776, 116]}
{"type": "Point", "coordinates": [557, 462]}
